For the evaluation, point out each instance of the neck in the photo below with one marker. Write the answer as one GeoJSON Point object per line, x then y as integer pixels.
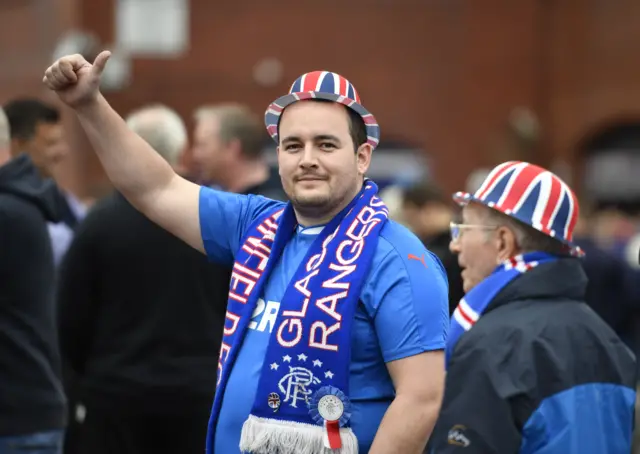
{"type": "Point", "coordinates": [247, 175]}
{"type": "Point", "coordinates": [315, 217]}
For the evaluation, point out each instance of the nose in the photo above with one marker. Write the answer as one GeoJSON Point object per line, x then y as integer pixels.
{"type": "Point", "coordinates": [308, 157]}
{"type": "Point", "coordinates": [454, 246]}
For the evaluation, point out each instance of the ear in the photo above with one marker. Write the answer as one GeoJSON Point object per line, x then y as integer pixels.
{"type": "Point", "coordinates": [507, 245]}
{"type": "Point", "coordinates": [363, 157]}
{"type": "Point", "coordinates": [235, 148]}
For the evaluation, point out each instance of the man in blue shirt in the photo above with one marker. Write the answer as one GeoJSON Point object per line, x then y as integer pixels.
{"type": "Point", "coordinates": [281, 384]}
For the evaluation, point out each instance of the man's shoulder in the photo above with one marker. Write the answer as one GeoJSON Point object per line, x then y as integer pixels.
{"type": "Point", "coordinates": [531, 318]}
{"type": "Point", "coordinates": [532, 327]}
{"type": "Point", "coordinates": [401, 261]}
{"type": "Point", "coordinates": [399, 247]}
{"type": "Point", "coordinates": [514, 325]}
{"type": "Point", "coordinates": [23, 227]}
{"type": "Point", "coordinates": [544, 347]}
{"type": "Point", "coordinates": [17, 210]}
{"type": "Point", "coordinates": [252, 205]}
{"type": "Point", "coordinates": [261, 204]}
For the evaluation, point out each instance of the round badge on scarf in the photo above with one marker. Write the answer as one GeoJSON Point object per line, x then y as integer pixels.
{"type": "Point", "coordinates": [330, 404]}
{"type": "Point", "coordinates": [330, 407]}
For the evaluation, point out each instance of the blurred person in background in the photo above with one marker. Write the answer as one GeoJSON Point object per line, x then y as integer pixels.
{"type": "Point", "coordinates": [228, 151]}
{"type": "Point", "coordinates": [428, 214]}
{"type": "Point", "coordinates": [613, 289]}
{"type": "Point", "coordinates": [530, 367]}
{"type": "Point", "coordinates": [141, 318]}
{"type": "Point", "coordinates": [37, 131]}
{"type": "Point", "coordinates": [32, 402]}
{"type": "Point", "coordinates": [611, 227]}
{"type": "Point", "coordinates": [291, 387]}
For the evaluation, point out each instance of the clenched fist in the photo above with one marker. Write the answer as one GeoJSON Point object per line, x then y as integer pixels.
{"type": "Point", "coordinates": [75, 80]}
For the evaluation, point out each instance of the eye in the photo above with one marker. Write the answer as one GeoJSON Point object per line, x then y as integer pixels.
{"type": "Point", "coordinates": [292, 148]}
{"type": "Point", "coordinates": [328, 146]}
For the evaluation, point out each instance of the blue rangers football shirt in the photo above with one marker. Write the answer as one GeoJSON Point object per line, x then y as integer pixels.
{"type": "Point", "coordinates": [403, 311]}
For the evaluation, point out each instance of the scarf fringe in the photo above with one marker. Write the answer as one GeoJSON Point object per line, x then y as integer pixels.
{"type": "Point", "coordinates": [272, 436]}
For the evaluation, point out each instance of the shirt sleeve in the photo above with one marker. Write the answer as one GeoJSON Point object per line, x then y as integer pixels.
{"type": "Point", "coordinates": [224, 219]}
{"type": "Point", "coordinates": [408, 299]}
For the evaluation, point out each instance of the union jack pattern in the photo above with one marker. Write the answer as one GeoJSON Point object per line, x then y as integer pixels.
{"type": "Point", "coordinates": [322, 85]}
{"type": "Point", "coordinates": [532, 195]}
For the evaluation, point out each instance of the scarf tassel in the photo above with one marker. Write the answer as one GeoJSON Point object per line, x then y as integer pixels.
{"type": "Point", "coordinates": [267, 436]}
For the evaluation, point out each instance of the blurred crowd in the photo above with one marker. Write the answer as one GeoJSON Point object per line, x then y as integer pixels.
{"type": "Point", "coordinates": [121, 322]}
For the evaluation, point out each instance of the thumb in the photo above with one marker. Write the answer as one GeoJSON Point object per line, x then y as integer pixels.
{"type": "Point", "coordinates": [101, 61]}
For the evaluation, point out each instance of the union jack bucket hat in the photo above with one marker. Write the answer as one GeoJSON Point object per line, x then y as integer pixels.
{"type": "Point", "coordinates": [322, 85]}
{"type": "Point", "coordinates": [532, 195]}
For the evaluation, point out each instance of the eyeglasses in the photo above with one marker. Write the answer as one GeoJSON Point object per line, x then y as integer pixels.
{"type": "Point", "coordinates": [456, 229]}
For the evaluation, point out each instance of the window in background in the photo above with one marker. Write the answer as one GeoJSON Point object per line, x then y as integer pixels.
{"type": "Point", "coordinates": [155, 28]}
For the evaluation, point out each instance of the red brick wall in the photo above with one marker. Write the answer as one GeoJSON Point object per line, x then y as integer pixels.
{"type": "Point", "coordinates": [29, 31]}
{"type": "Point", "coordinates": [441, 73]}
{"type": "Point", "coordinates": [594, 72]}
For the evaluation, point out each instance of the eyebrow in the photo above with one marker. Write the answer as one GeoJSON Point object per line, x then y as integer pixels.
{"type": "Point", "coordinates": [318, 138]}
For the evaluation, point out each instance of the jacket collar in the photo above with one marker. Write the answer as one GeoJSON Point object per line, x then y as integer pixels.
{"type": "Point", "coordinates": [560, 279]}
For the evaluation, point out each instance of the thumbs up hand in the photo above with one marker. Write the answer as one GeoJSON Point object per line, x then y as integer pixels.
{"type": "Point", "coordinates": [75, 80]}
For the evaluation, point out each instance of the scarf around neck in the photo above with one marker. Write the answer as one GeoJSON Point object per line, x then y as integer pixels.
{"type": "Point", "coordinates": [302, 401]}
{"type": "Point", "coordinates": [475, 302]}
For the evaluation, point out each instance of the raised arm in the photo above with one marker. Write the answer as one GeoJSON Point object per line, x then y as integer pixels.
{"type": "Point", "coordinates": [134, 168]}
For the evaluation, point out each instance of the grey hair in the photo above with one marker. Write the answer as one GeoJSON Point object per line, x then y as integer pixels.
{"type": "Point", "coordinates": [528, 239]}
{"type": "Point", "coordinates": [237, 122]}
{"type": "Point", "coordinates": [5, 131]}
{"type": "Point", "coordinates": [162, 128]}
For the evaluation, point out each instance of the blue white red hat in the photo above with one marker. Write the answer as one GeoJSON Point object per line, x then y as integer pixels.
{"type": "Point", "coordinates": [532, 195]}
{"type": "Point", "coordinates": [322, 85]}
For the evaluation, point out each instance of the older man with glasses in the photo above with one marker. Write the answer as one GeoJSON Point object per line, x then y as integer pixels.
{"type": "Point", "coordinates": [530, 368]}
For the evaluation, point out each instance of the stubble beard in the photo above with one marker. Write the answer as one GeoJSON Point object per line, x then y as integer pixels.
{"type": "Point", "coordinates": [316, 206]}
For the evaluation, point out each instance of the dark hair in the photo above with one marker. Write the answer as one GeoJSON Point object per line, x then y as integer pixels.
{"type": "Point", "coordinates": [24, 115]}
{"type": "Point", "coordinates": [357, 128]}
{"type": "Point", "coordinates": [422, 194]}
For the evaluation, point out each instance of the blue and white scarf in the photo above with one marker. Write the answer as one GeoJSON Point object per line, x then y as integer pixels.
{"type": "Point", "coordinates": [302, 401]}
{"type": "Point", "coordinates": [475, 302]}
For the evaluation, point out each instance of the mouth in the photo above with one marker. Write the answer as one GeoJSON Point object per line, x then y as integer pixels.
{"type": "Point", "coordinates": [310, 179]}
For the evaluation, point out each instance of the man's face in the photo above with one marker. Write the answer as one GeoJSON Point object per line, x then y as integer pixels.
{"type": "Point", "coordinates": [319, 168]}
{"type": "Point", "coordinates": [210, 153]}
{"type": "Point", "coordinates": [477, 250]}
{"type": "Point", "coordinates": [47, 148]}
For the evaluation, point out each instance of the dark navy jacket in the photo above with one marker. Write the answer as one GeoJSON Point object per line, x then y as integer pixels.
{"type": "Point", "coordinates": [539, 373]}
